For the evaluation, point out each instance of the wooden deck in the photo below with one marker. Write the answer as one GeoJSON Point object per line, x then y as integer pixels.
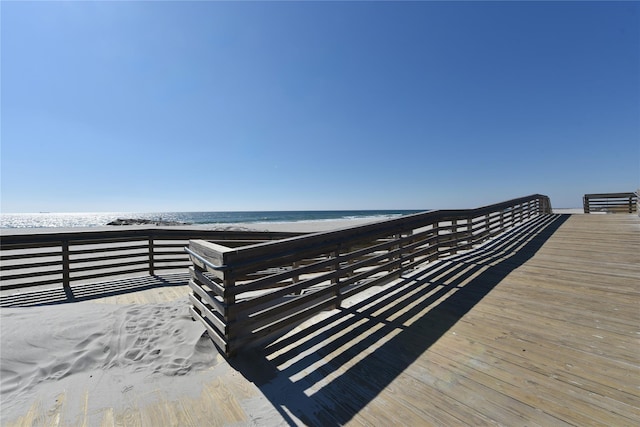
{"type": "Point", "coordinates": [538, 327]}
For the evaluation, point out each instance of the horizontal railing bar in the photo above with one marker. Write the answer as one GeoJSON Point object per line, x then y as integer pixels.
{"type": "Point", "coordinates": [211, 329]}
{"type": "Point", "coordinates": [610, 195]}
{"type": "Point", "coordinates": [106, 266]}
{"type": "Point", "coordinates": [157, 253]}
{"type": "Point", "coordinates": [290, 289]}
{"type": "Point", "coordinates": [6, 246]}
{"type": "Point", "coordinates": [278, 277]}
{"type": "Point", "coordinates": [109, 258]}
{"type": "Point", "coordinates": [361, 276]}
{"type": "Point", "coordinates": [248, 255]}
{"type": "Point", "coordinates": [5, 267]}
{"type": "Point", "coordinates": [5, 287]}
{"type": "Point", "coordinates": [378, 281]}
{"type": "Point", "coordinates": [30, 255]}
{"type": "Point", "coordinates": [204, 260]}
{"type": "Point", "coordinates": [208, 299]}
{"type": "Point", "coordinates": [347, 261]}
{"type": "Point", "coordinates": [29, 274]}
{"type": "Point", "coordinates": [293, 318]}
{"type": "Point", "coordinates": [217, 322]}
{"type": "Point", "coordinates": [182, 266]}
{"type": "Point", "coordinates": [109, 249]}
{"type": "Point", "coordinates": [106, 274]}
{"type": "Point", "coordinates": [293, 306]}
{"type": "Point", "coordinates": [198, 276]}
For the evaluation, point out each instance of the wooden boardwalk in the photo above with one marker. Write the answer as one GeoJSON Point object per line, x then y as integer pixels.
{"type": "Point", "coordinates": [538, 327]}
{"type": "Point", "coordinates": [546, 332]}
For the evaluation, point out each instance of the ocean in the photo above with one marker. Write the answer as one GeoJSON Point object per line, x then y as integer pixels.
{"type": "Point", "coordinates": [99, 219]}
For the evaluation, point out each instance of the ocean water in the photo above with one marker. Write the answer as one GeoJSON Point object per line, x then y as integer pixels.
{"type": "Point", "coordinates": [99, 219]}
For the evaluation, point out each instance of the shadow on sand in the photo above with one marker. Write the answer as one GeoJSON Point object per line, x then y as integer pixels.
{"type": "Point", "coordinates": [89, 291]}
{"type": "Point", "coordinates": [326, 373]}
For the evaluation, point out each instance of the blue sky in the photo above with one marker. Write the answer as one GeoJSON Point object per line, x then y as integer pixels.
{"type": "Point", "coordinates": [174, 106]}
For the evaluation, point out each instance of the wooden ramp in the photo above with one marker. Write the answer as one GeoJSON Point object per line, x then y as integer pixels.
{"type": "Point", "coordinates": [538, 327]}
{"type": "Point", "coordinates": [540, 330]}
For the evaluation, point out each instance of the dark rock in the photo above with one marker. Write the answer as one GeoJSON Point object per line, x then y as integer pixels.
{"type": "Point", "coordinates": [141, 221]}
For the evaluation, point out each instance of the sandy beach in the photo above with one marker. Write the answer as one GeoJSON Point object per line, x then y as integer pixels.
{"type": "Point", "coordinates": [96, 364]}
{"type": "Point", "coordinates": [90, 363]}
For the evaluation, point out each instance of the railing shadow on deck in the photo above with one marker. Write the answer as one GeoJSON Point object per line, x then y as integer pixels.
{"type": "Point", "coordinates": [91, 291]}
{"type": "Point", "coordinates": [307, 374]}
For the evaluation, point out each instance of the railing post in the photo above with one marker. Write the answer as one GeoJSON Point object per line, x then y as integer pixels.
{"type": "Point", "coordinates": [229, 301]}
{"type": "Point", "coordinates": [151, 256]}
{"type": "Point", "coordinates": [399, 254]}
{"type": "Point", "coordinates": [295, 279]}
{"type": "Point", "coordinates": [411, 259]}
{"type": "Point", "coordinates": [454, 231]}
{"type": "Point", "coordinates": [487, 230]}
{"type": "Point", "coordinates": [585, 203]}
{"type": "Point", "coordinates": [66, 266]}
{"type": "Point", "coordinates": [336, 281]}
{"type": "Point", "coordinates": [436, 229]}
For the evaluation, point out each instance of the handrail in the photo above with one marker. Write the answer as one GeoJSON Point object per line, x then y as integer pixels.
{"type": "Point", "coordinates": [610, 202]}
{"type": "Point", "coordinates": [267, 287]}
{"type": "Point", "coordinates": [52, 258]}
{"type": "Point", "coordinates": [204, 260]}
{"type": "Point", "coordinates": [278, 248]}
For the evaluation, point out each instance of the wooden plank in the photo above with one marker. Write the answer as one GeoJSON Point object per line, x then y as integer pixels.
{"type": "Point", "coordinates": [104, 274]}
{"type": "Point", "coordinates": [75, 268]}
{"type": "Point", "coordinates": [266, 282]}
{"type": "Point", "coordinates": [28, 255]}
{"type": "Point", "coordinates": [30, 284]}
{"type": "Point", "coordinates": [275, 328]}
{"type": "Point", "coordinates": [516, 387]}
{"type": "Point", "coordinates": [211, 329]}
{"type": "Point", "coordinates": [143, 248]}
{"type": "Point", "coordinates": [205, 312]}
{"type": "Point", "coordinates": [308, 305]}
{"type": "Point", "coordinates": [326, 241]}
{"type": "Point", "coordinates": [202, 294]}
{"type": "Point", "coordinates": [199, 277]}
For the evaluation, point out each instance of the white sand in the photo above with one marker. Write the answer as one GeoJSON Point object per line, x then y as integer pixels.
{"type": "Point", "coordinates": [572, 211]}
{"type": "Point", "coordinates": [300, 226]}
{"type": "Point", "coordinates": [86, 363]}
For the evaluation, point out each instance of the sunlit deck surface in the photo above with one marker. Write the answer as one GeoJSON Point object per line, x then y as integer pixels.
{"type": "Point", "coordinates": [537, 327]}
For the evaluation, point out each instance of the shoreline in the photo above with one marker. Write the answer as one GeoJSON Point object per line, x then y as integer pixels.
{"type": "Point", "coordinates": [309, 226]}
{"type": "Point", "coordinates": [305, 226]}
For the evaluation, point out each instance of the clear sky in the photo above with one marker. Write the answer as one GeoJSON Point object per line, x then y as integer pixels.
{"type": "Point", "coordinates": [206, 106]}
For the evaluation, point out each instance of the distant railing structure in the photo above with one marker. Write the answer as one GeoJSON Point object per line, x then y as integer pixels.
{"type": "Point", "coordinates": [54, 259]}
{"type": "Point", "coordinates": [610, 203]}
{"type": "Point", "coordinates": [248, 294]}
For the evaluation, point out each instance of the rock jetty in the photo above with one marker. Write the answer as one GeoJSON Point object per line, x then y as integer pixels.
{"type": "Point", "coordinates": [141, 221]}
